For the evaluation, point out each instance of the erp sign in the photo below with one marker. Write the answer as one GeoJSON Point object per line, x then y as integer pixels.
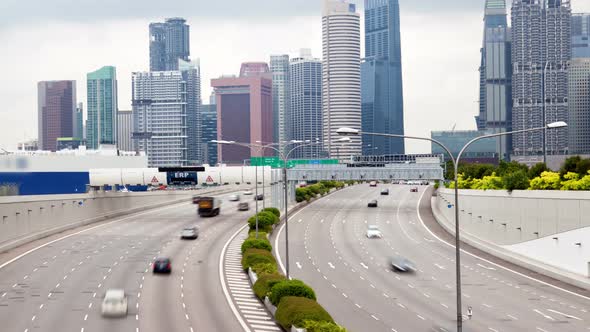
{"type": "Point", "coordinates": [181, 175]}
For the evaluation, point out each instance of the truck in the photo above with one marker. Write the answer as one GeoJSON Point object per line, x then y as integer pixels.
{"type": "Point", "coordinates": [208, 206]}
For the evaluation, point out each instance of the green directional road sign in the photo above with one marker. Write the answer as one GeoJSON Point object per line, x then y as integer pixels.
{"type": "Point", "coordinates": [275, 162]}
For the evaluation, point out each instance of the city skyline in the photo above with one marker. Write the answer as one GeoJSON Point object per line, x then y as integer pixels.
{"type": "Point", "coordinates": [422, 115]}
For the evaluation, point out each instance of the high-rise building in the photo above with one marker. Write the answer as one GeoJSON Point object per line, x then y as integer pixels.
{"type": "Point", "coordinates": [101, 127]}
{"type": "Point", "coordinates": [381, 77]}
{"type": "Point", "coordinates": [169, 42]}
{"type": "Point", "coordinates": [279, 66]}
{"type": "Point", "coordinates": [495, 72]}
{"type": "Point", "coordinates": [191, 74]}
{"type": "Point", "coordinates": [581, 36]}
{"type": "Point", "coordinates": [255, 69]}
{"type": "Point", "coordinates": [79, 122]}
{"type": "Point", "coordinates": [579, 106]}
{"type": "Point", "coordinates": [159, 117]}
{"type": "Point", "coordinates": [31, 145]}
{"type": "Point", "coordinates": [304, 116]}
{"type": "Point", "coordinates": [124, 130]}
{"type": "Point", "coordinates": [209, 133]}
{"type": "Point", "coordinates": [541, 51]}
{"type": "Point", "coordinates": [341, 77]}
{"type": "Point", "coordinates": [244, 113]}
{"type": "Point", "coordinates": [56, 112]}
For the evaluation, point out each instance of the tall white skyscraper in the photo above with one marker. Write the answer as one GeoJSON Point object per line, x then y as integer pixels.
{"type": "Point", "coordinates": [160, 117]}
{"type": "Point", "coordinates": [279, 66]}
{"type": "Point", "coordinates": [341, 76]}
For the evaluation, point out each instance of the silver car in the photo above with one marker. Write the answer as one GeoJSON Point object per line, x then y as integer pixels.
{"type": "Point", "coordinates": [374, 232]}
{"type": "Point", "coordinates": [402, 264]}
{"type": "Point", "coordinates": [189, 233]}
{"type": "Point", "coordinates": [114, 303]}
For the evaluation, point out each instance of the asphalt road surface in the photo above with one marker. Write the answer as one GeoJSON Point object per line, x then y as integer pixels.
{"type": "Point", "coordinates": [354, 280]}
{"type": "Point", "coordinates": [60, 286]}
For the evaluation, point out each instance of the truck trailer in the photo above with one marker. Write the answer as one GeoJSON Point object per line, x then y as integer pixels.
{"type": "Point", "coordinates": [208, 206]}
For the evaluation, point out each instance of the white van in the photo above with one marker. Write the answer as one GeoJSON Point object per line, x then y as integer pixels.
{"type": "Point", "coordinates": [114, 303]}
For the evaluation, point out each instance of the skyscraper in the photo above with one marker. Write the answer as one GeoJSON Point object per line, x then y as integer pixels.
{"type": "Point", "coordinates": [381, 73]}
{"type": "Point", "coordinates": [169, 41]}
{"type": "Point", "coordinates": [581, 36]}
{"type": "Point", "coordinates": [279, 66]}
{"type": "Point", "coordinates": [101, 127]}
{"type": "Point", "coordinates": [209, 133]}
{"type": "Point", "coordinates": [191, 75]}
{"type": "Point", "coordinates": [56, 112]}
{"type": "Point", "coordinates": [541, 50]}
{"type": "Point", "coordinates": [79, 122]}
{"type": "Point", "coordinates": [341, 77]}
{"type": "Point", "coordinates": [159, 117]}
{"type": "Point", "coordinates": [244, 112]}
{"type": "Point", "coordinates": [495, 88]}
{"type": "Point", "coordinates": [304, 116]}
{"type": "Point", "coordinates": [579, 106]}
{"type": "Point", "coordinates": [124, 130]}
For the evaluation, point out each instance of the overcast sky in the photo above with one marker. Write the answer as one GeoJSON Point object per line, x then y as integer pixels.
{"type": "Point", "coordinates": [65, 39]}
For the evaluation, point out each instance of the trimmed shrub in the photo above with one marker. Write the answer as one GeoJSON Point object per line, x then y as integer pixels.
{"type": "Point", "coordinates": [265, 268]}
{"type": "Point", "coordinates": [256, 256]}
{"type": "Point", "coordinates": [290, 288]}
{"type": "Point", "coordinates": [265, 282]}
{"type": "Point", "coordinates": [516, 181]}
{"type": "Point", "coordinates": [265, 221]}
{"type": "Point", "coordinates": [295, 310]}
{"type": "Point", "coordinates": [273, 210]}
{"type": "Point", "coordinates": [260, 243]}
{"type": "Point", "coordinates": [315, 326]}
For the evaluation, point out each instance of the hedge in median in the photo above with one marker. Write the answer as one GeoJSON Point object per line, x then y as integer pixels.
{"type": "Point", "coordinates": [294, 310]}
{"type": "Point", "coordinates": [265, 221]}
{"type": "Point", "coordinates": [314, 326]}
{"type": "Point", "coordinates": [265, 282]}
{"type": "Point", "coordinates": [272, 210]}
{"type": "Point", "coordinates": [290, 288]}
{"type": "Point", "coordinates": [256, 256]}
{"type": "Point", "coordinates": [265, 268]}
{"type": "Point", "coordinates": [260, 243]}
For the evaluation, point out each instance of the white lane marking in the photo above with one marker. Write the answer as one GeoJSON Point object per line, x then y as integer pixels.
{"type": "Point", "coordinates": [444, 305]}
{"type": "Point", "coordinates": [364, 265]}
{"type": "Point", "coordinates": [440, 266]}
{"type": "Point", "coordinates": [374, 317]}
{"type": "Point", "coordinates": [540, 329]}
{"type": "Point", "coordinates": [83, 231]}
{"type": "Point", "coordinates": [512, 317]}
{"type": "Point", "coordinates": [222, 281]}
{"type": "Point", "coordinates": [493, 330]}
{"type": "Point", "coordinates": [487, 261]}
{"type": "Point", "coordinates": [485, 267]}
{"type": "Point", "coordinates": [486, 305]}
{"type": "Point", "coordinates": [298, 265]}
{"type": "Point", "coordinates": [331, 265]}
{"type": "Point", "coordinates": [565, 315]}
{"type": "Point", "coordinates": [542, 314]}
{"type": "Point", "coordinates": [422, 318]}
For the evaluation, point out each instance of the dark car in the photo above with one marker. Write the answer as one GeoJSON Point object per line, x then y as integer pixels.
{"type": "Point", "coordinates": [385, 192]}
{"type": "Point", "coordinates": [259, 197]}
{"type": "Point", "coordinates": [162, 265]}
{"type": "Point", "coordinates": [414, 190]}
{"type": "Point", "coordinates": [243, 206]}
{"type": "Point", "coordinates": [402, 264]}
{"type": "Point", "coordinates": [372, 203]}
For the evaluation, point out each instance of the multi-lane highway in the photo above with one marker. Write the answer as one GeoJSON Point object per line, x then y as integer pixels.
{"type": "Point", "coordinates": [59, 286]}
{"type": "Point", "coordinates": [355, 282]}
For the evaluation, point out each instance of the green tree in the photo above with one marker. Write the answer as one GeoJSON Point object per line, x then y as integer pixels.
{"type": "Point", "coordinates": [547, 181]}
{"type": "Point", "coordinates": [537, 169]}
{"type": "Point", "coordinates": [569, 165]}
{"type": "Point", "coordinates": [515, 181]}
{"type": "Point", "coordinates": [582, 167]}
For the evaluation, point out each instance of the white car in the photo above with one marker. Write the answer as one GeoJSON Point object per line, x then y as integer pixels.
{"type": "Point", "coordinates": [114, 303]}
{"type": "Point", "coordinates": [373, 231]}
{"type": "Point", "coordinates": [234, 198]}
{"type": "Point", "coordinates": [248, 192]}
{"type": "Point", "coordinates": [189, 233]}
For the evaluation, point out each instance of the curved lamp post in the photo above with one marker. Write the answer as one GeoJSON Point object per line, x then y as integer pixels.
{"type": "Point", "coordinates": [354, 132]}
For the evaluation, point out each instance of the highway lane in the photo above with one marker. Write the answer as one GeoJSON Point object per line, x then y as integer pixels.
{"type": "Point", "coordinates": [59, 287]}
{"type": "Point", "coordinates": [354, 281]}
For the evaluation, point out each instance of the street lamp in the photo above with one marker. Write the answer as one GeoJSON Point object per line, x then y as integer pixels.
{"type": "Point", "coordinates": [352, 132]}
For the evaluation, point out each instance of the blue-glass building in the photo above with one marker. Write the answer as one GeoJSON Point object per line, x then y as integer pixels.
{"type": "Point", "coordinates": [381, 78]}
{"type": "Point", "coordinates": [580, 35]}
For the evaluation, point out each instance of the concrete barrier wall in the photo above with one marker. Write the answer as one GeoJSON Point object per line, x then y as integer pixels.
{"type": "Point", "coordinates": [545, 231]}
{"type": "Point", "coordinates": [27, 218]}
{"type": "Point", "coordinates": [523, 215]}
